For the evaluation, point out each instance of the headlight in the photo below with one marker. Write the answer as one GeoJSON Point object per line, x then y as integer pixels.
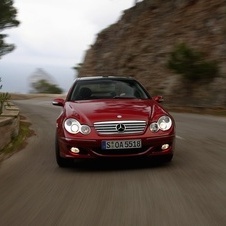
{"type": "Point", "coordinates": [85, 129]}
{"type": "Point", "coordinates": [73, 126]}
{"type": "Point", "coordinates": [164, 123]}
{"type": "Point", "coordinates": [154, 127]}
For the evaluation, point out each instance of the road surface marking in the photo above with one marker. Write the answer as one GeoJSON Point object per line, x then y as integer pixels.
{"type": "Point", "coordinates": [178, 137]}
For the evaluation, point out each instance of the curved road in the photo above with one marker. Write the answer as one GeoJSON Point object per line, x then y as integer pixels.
{"type": "Point", "coordinates": [189, 191]}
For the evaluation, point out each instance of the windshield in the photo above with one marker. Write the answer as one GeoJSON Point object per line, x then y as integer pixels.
{"type": "Point", "coordinates": [107, 89]}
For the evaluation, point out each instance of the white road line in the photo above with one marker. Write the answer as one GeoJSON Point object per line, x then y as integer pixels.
{"type": "Point", "coordinates": [180, 138]}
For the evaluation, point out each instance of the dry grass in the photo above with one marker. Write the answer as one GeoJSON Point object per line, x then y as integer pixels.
{"type": "Point", "coordinates": [19, 142]}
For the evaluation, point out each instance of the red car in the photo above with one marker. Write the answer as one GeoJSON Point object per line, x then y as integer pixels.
{"type": "Point", "coordinates": [112, 117]}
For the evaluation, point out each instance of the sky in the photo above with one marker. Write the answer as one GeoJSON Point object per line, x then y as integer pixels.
{"type": "Point", "coordinates": [54, 36]}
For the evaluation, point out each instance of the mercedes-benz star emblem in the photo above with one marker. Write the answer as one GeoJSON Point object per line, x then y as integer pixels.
{"type": "Point", "coordinates": [120, 127]}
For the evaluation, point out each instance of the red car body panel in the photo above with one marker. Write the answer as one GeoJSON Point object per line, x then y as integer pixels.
{"type": "Point", "coordinates": [90, 111]}
{"type": "Point", "coordinates": [94, 111]}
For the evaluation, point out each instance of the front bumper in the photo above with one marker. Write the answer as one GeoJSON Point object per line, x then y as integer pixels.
{"type": "Point", "coordinates": [91, 148]}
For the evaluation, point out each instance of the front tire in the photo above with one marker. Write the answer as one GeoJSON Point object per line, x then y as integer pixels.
{"type": "Point", "coordinates": [62, 162]}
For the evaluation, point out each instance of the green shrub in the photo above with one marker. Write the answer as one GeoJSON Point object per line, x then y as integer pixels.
{"type": "Point", "coordinates": [191, 64]}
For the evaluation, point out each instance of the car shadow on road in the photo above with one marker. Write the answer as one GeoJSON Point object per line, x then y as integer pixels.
{"type": "Point", "coordinates": [117, 164]}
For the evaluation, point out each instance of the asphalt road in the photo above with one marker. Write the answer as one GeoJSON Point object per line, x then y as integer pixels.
{"type": "Point", "coordinates": [189, 191]}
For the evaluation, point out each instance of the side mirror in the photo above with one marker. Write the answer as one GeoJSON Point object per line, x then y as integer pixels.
{"type": "Point", "coordinates": [159, 99]}
{"type": "Point", "coordinates": [58, 102]}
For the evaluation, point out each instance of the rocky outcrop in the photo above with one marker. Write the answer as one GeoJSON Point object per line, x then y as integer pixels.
{"type": "Point", "coordinates": [139, 44]}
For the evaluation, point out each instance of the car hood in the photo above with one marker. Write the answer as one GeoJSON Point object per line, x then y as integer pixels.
{"type": "Point", "coordinates": [111, 110]}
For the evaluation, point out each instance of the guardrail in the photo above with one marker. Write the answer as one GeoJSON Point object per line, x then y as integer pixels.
{"type": "Point", "coordinates": [9, 124]}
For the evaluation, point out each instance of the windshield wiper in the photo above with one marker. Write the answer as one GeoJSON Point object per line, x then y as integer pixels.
{"type": "Point", "coordinates": [123, 97]}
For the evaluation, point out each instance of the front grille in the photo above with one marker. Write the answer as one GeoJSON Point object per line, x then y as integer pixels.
{"type": "Point", "coordinates": [120, 127]}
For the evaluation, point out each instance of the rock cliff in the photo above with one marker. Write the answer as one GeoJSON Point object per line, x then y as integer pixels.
{"type": "Point", "coordinates": [139, 44]}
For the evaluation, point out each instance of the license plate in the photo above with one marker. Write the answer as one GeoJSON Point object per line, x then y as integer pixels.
{"type": "Point", "coordinates": [121, 144]}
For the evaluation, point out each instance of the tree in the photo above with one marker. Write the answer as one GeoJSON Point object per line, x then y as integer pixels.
{"type": "Point", "coordinates": [7, 20]}
{"type": "Point", "coordinates": [42, 86]}
{"type": "Point", "coordinates": [77, 68]}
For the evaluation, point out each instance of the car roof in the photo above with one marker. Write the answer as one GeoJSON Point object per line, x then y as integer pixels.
{"type": "Point", "coordinates": [110, 77]}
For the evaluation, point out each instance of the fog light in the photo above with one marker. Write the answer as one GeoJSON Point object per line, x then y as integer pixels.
{"type": "Point", "coordinates": [165, 146]}
{"type": "Point", "coordinates": [75, 150]}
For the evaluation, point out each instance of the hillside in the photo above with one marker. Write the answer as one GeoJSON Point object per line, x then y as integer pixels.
{"type": "Point", "coordinates": [139, 44]}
